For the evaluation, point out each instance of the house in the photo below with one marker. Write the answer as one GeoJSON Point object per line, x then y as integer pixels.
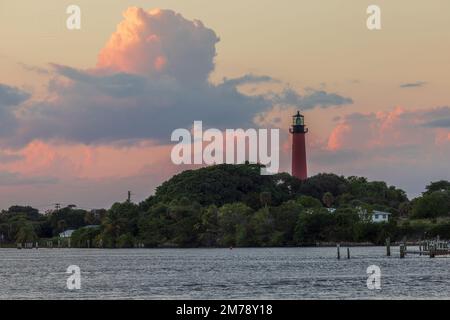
{"type": "Point", "coordinates": [375, 216]}
{"type": "Point", "coordinates": [380, 216]}
{"type": "Point", "coordinates": [364, 215]}
{"type": "Point", "coordinates": [66, 234]}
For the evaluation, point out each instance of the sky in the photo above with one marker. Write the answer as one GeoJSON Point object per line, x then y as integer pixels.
{"type": "Point", "coordinates": [86, 115]}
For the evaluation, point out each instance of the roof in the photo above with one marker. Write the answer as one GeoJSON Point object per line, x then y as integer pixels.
{"type": "Point", "coordinates": [89, 226]}
{"type": "Point", "coordinates": [66, 233]}
{"type": "Point", "coordinates": [381, 212]}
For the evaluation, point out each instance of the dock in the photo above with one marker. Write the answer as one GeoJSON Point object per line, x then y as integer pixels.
{"type": "Point", "coordinates": [431, 248]}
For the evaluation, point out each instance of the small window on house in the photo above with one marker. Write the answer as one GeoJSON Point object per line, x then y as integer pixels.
{"type": "Point", "coordinates": [377, 216]}
{"type": "Point", "coordinates": [384, 216]}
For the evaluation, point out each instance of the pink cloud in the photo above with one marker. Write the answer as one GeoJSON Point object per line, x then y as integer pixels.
{"type": "Point", "coordinates": [398, 127]}
{"type": "Point", "coordinates": [335, 140]}
{"type": "Point", "coordinates": [160, 42]}
{"type": "Point", "coordinates": [68, 161]}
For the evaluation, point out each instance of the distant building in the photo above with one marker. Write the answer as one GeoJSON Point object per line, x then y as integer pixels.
{"type": "Point", "coordinates": [380, 216]}
{"type": "Point", "coordinates": [66, 234]}
{"type": "Point", "coordinates": [376, 216]}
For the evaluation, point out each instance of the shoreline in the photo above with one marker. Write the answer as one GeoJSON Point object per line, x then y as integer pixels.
{"type": "Point", "coordinates": [321, 245]}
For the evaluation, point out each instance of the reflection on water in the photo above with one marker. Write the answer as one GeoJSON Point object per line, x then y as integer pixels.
{"type": "Point", "coordinates": [264, 273]}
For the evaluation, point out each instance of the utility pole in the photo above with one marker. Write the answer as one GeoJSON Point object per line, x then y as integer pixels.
{"type": "Point", "coordinates": [57, 206]}
{"type": "Point", "coordinates": [129, 196]}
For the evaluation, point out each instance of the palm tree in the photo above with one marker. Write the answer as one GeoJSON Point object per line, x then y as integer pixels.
{"type": "Point", "coordinates": [265, 198]}
{"type": "Point", "coordinates": [26, 232]}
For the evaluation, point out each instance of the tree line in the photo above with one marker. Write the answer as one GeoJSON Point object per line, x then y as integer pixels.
{"type": "Point", "coordinates": [233, 205]}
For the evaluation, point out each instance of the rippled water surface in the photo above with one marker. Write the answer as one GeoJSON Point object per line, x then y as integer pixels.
{"type": "Point", "coordinates": [265, 273]}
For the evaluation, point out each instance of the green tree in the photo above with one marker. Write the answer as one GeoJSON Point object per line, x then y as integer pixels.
{"type": "Point", "coordinates": [314, 225]}
{"type": "Point", "coordinates": [328, 199]}
{"type": "Point", "coordinates": [432, 205]}
{"type": "Point", "coordinates": [209, 226]}
{"type": "Point", "coordinates": [262, 226]}
{"type": "Point", "coordinates": [154, 226]}
{"type": "Point", "coordinates": [233, 221]}
{"type": "Point", "coordinates": [285, 219]}
{"type": "Point", "coordinates": [265, 198]}
{"type": "Point", "coordinates": [121, 219]}
{"type": "Point", "coordinates": [25, 232]}
{"type": "Point", "coordinates": [442, 185]}
{"type": "Point", "coordinates": [309, 202]}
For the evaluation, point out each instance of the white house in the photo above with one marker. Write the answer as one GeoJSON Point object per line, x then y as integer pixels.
{"type": "Point", "coordinates": [380, 216]}
{"type": "Point", "coordinates": [66, 234]}
{"type": "Point", "coordinates": [377, 216]}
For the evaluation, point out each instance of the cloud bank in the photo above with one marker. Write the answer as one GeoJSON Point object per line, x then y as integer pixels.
{"type": "Point", "coordinates": [399, 146]}
{"type": "Point", "coordinates": [151, 78]}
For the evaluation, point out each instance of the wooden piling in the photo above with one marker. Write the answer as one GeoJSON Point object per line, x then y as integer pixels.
{"type": "Point", "coordinates": [402, 251]}
{"type": "Point", "coordinates": [388, 247]}
{"type": "Point", "coordinates": [338, 247]}
{"type": "Point", "coordinates": [348, 253]}
{"type": "Point", "coordinates": [432, 251]}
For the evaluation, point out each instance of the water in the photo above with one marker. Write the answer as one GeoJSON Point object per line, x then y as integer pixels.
{"type": "Point", "coordinates": [264, 273]}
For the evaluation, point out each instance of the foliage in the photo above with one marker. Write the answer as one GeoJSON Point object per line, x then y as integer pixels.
{"type": "Point", "coordinates": [234, 205]}
{"type": "Point", "coordinates": [432, 204]}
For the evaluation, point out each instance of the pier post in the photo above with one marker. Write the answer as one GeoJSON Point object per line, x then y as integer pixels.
{"type": "Point", "coordinates": [402, 251]}
{"type": "Point", "coordinates": [348, 253]}
{"type": "Point", "coordinates": [432, 251]}
{"type": "Point", "coordinates": [388, 247]}
{"type": "Point", "coordinates": [338, 247]}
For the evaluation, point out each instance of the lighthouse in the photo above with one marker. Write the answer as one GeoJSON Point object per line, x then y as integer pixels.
{"type": "Point", "coordinates": [298, 131]}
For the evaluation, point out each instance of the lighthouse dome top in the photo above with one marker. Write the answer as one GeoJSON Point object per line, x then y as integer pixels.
{"type": "Point", "coordinates": [298, 119]}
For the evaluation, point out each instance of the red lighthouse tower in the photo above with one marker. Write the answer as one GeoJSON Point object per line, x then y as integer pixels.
{"type": "Point", "coordinates": [298, 131]}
